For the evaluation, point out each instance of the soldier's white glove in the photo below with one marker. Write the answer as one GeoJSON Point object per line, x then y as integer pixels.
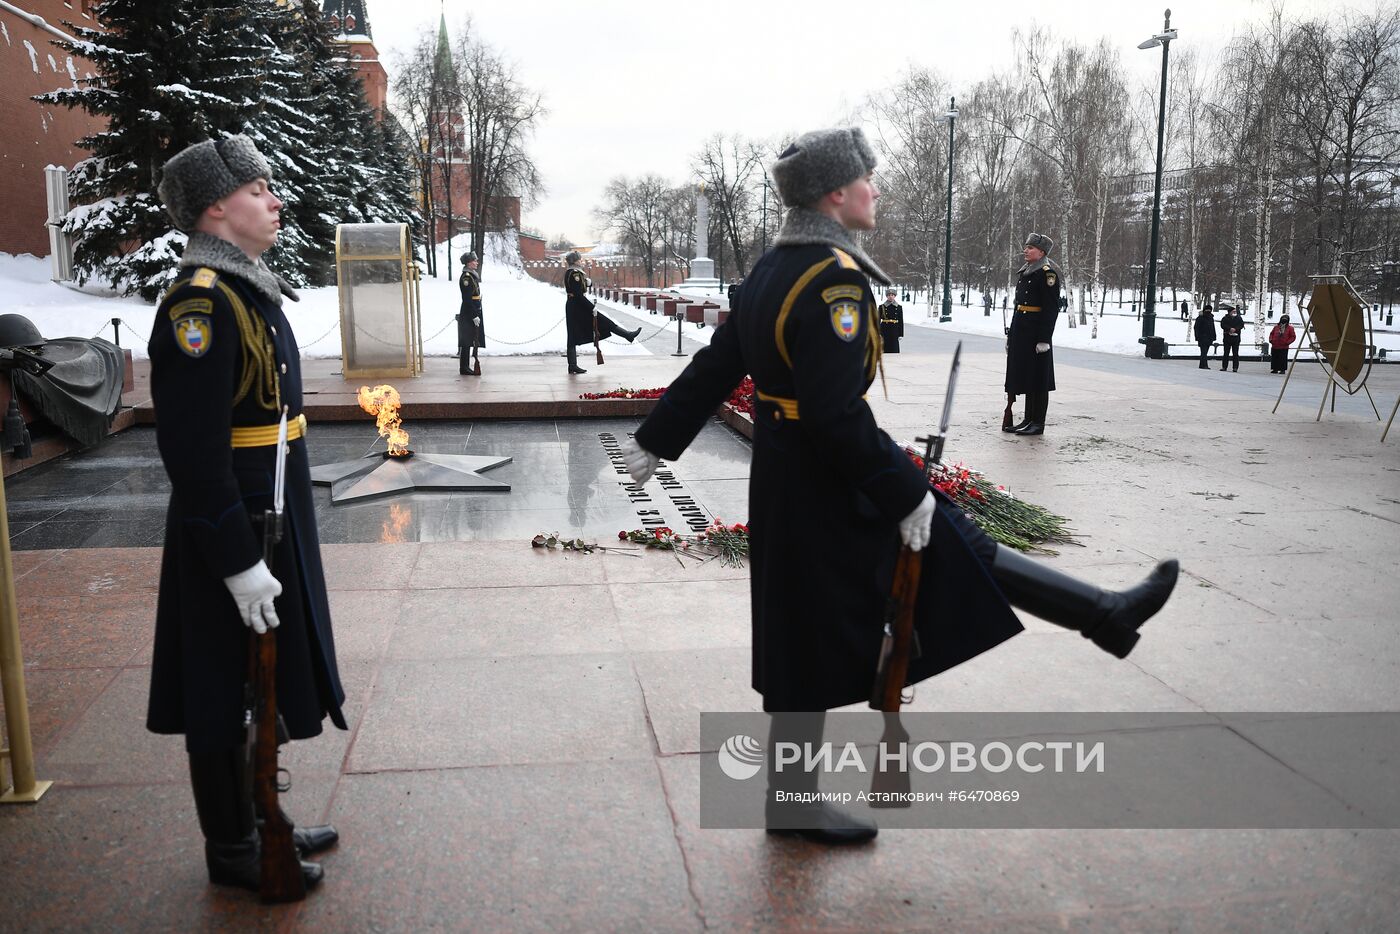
{"type": "Point", "coordinates": [253, 590]}
{"type": "Point", "coordinates": [1042, 347]}
{"type": "Point", "coordinates": [915, 528]}
{"type": "Point", "coordinates": [640, 464]}
{"type": "Point", "coordinates": [477, 321]}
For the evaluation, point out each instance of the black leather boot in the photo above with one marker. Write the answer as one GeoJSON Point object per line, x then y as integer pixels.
{"type": "Point", "coordinates": [817, 821]}
{"type": "Point", "coordinates": [310, 840]}
{"type": "Point", "coordinates": [631, 335]}
{"type": "Point", "coordinates": [1036, 404]}
{"type": "Point", "coordinates": [1016, 427]}
{"type": "Point", "coordinates": [1110, 619]}
{"type": "Point", "coordinates": [573, 361]}
{"type": "Point", "coordinates": [223, 799]}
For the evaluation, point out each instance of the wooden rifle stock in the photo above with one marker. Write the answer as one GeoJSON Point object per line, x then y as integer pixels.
{"type": "Point", "coordinates": [282, 880]}
{"type": "Point", "coordinates": [597, 351]}
{"type": "Point", "coordinates": [891, 673]}
{"type": "Point", "coordinates": [893, 668]}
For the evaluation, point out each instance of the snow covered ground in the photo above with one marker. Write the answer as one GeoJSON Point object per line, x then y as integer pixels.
{"type": "Point", "coordinates": [523, 316]}
{"type": "Point", "coordinates": [1118, 329]}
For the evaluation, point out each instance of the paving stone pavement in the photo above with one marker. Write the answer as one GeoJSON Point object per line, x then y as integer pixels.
{"type": "Point", "coordinates": [524, 733]}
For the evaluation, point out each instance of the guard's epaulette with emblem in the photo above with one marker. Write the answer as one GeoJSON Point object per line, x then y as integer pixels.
{"type": "Point", "coordinates": [843, 259]}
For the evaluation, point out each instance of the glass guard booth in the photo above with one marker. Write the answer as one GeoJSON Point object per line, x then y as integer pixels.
{"type": "Point", "coordinates": [380, 329]}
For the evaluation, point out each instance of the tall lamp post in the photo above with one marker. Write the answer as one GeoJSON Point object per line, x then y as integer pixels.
{"type": "Point", "coordinates": [951, 116]}
{"type": "Point", "coordinates": [1149, 313]}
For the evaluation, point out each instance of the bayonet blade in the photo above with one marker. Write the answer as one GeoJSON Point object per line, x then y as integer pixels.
{"type": "Point", "coordinates": [948, 396]}
{"type": "Point", "coordinates": [280, 477]}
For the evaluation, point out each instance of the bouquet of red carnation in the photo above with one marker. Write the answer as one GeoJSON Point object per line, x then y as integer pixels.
{"type": "Point", "coordinates": [729, 543]}
{"type": "Point", "coordinates": [1006, 519]}
{"type": "Point", "coordinates": [741, 399]}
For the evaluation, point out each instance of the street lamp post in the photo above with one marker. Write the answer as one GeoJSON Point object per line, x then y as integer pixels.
{"type": "Point", "coordinates": [1149, 315]}
{"type": "Point", "coordinates": [952, 117]}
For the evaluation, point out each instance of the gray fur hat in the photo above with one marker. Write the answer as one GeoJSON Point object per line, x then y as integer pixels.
{"type": "Point", "coordinates": [1040, 242]}
{"type": "Point", "coordinates": [572, 257]}
{"type": "Point", "coordinates": [821, 161]}
{"type": "Point", "coordinates": [205, 172]}
{"type": "Point", "coordinates": [470, 257]}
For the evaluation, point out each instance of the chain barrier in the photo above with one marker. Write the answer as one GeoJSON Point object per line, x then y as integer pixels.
{"type": "Point", "coordinates": [319, 339]}
{"type": "Point", "coordinates": [128, 327]}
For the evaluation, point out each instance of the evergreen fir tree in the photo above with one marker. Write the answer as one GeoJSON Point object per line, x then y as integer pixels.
{"type": "Point", "coordinates": [175, 73]}
{"type": "Point", "coordinates": [161, 88]}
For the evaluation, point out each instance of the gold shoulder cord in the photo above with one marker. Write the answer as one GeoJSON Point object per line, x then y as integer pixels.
{"type": "Point", "coordinates": [259, 357]}
{"type": "Point", "coordinates": [875, 349]}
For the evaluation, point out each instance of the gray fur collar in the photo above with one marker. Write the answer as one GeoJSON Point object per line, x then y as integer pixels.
{"type": "Point", "coordinates": [218, 254]}
{"type": "Point", "coordinates": [807, 227]}
{"type": "Point", "coordinates": [1043, 262]}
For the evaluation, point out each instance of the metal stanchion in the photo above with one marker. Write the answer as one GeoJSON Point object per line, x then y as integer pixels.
{"type": "Point", "coordinates": [23, 788]}
{"type": "Point", "coordinates": [678, 352]}
{"type": "Point", "coordinates": [116, 331]}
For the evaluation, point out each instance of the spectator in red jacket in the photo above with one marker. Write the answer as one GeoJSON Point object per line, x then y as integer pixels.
{"type": "Point", "coordinates": [1280, 339]}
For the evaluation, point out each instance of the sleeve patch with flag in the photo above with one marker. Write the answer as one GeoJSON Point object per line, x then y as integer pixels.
{"type": "Point", "coordinates": [845, 319]}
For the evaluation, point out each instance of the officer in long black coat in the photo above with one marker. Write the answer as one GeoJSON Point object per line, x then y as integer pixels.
{"type": "Point", "coordinates": [224, 363]}
{"type": "Point", "coordinates": [891, 322]}
{"type": "Point", "coordinates": [1030, 359]}
{"type": "Point", "coordinates": [1204, 327]}
{"type": "Point", "coordinates": [831, 496]}
{"type": "Point", "coordinates": [471, 333]}
{"type": "Point", "coordinates": [581, 315]}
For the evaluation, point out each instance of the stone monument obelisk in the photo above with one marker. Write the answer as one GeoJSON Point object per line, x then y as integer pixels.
{"type": "Point", "coordinates": [702, 268]}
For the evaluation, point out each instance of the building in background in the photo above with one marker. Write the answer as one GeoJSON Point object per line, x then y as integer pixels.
{"type": "Point", "coordinates": [33, 135]}
{"type": "Point", "coordinates": [350, 22]}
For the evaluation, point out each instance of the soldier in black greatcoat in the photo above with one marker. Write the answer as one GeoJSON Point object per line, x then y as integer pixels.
{"type": "Point", "coordinates": [831, 496]}
{"type": "Point", "coordinates": [471, 333]}
{"type": "Point", "coordinates": [584, 323]}
{"type": "Point", "coordinates": [891, 322]}
{"type": "Point", "coordinates": [1030, 360]}
{"type": "Point", "coordinates": [224, 364]}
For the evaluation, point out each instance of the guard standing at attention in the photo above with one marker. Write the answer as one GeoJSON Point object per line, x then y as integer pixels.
{"type": "Point", "coordinates": [891, 322]}
{"type": "Point", "coordinates": [471, 334]}
{"type": "Point", "coordinates": [1030, 360]}
{"type": "Point", "coordinates": [805, 328]}
{"type": "Point", "coordinates": [224, 364]}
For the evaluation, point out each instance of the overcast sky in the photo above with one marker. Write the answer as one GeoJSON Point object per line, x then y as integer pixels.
{"type": "Point", "coordinates": [635, 86]}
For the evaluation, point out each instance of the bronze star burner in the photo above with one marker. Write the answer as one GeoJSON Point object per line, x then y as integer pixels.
{"type": "Point", "coordinates": [400, 470]}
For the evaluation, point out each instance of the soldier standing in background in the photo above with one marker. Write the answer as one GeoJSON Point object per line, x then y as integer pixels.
{"type": "Point", "coordinates": [1030, 361]}
{"type": "Point", "coordinates": [891, 322]}
{"type": "Point", "coordinates": [471, 335]}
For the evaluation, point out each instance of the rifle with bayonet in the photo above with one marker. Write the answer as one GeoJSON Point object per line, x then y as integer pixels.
{"type": "Point", "coordinates": [282, 879]}
{"type": "Point", "coordinates": [900, 643]}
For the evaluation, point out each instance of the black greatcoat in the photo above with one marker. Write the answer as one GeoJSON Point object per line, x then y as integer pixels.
{"type": "Point", "coordinates": [827, 488]}
{"type": "Point", "coordinates": [578, 310]}
{"type": "Point", "coordinates": [891, 325]}
{"type": "Point", "coordinates": [468, 334]}
{"type": "Point", "coordinates": [1037, 287]}
{"type": "Point", "coordinates": [223, 355]}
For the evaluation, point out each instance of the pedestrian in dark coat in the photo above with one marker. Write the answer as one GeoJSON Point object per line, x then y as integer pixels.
{"type": "Point", "coordinates": [1205, 333]}
{"type": "Point", "coordinates": [224, 364]}
{"type": "Point", "coordinates": [1280, 339]}
{"type": "Point", "coordinates": [583, 322]}
{"type": "Point", "coordinates": [831, 496]}
{"type": "Point", "coordinates": [1030, 360]}
{"type": "Point", "coordinates": [471, 333]}
{"type": "Point", "coordinates": [1231, 328]}
{"type": "Point", "coordinates": [891, 322]}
